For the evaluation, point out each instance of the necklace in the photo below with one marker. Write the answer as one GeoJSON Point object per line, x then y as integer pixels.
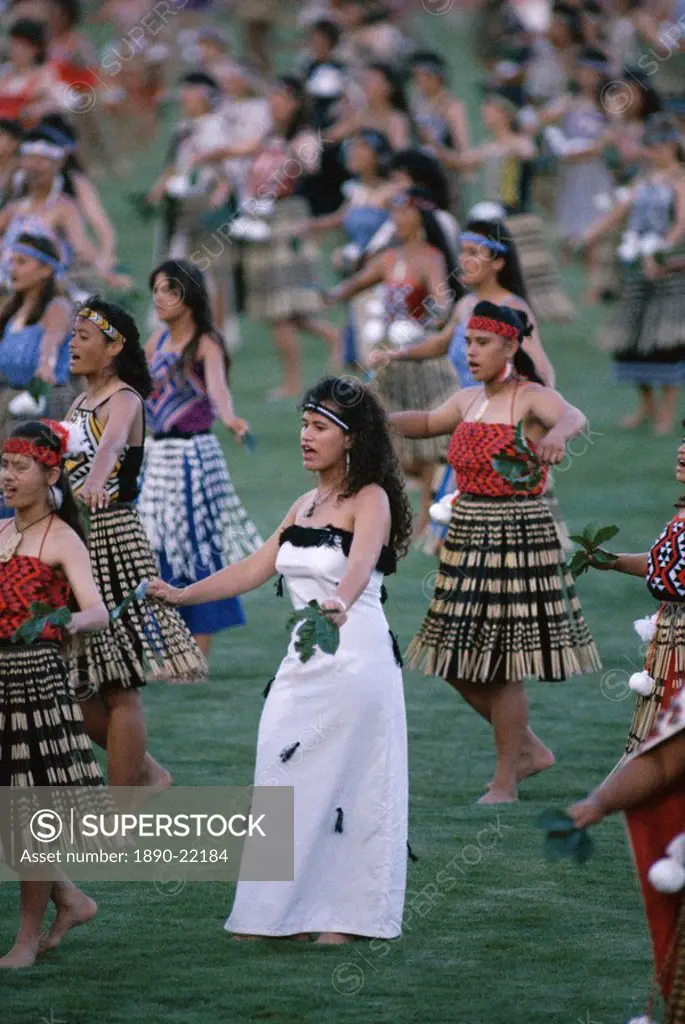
{"type": "Point", "coordinates": [318, 500]}
{"type": "Point", "coordinates": [9, 548]}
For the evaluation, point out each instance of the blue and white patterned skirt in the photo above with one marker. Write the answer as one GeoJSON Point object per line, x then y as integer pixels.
{"type": "Point", "coordinates": [195, 521]}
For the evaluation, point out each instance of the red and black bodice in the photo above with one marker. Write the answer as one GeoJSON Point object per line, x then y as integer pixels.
{"type": "Point", "coordinates": [470, 454]}
{"type": "Point", "coordinates": [23, 580]}
{"type": "Point", "coordinates": [666, 563]}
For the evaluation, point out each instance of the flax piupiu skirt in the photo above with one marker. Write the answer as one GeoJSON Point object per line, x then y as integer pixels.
{"type": "Point", "coordinates": [665, 662]}
{"type": "Point", "coordinates": [43, 741]}
{"type": "Point", "coordinates": [504, 607]}
{"type": "Point", "coordinates": [149, 641]}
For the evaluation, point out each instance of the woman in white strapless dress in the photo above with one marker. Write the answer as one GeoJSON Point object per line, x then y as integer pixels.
{"type": "Point", "coordinates": [333, 727]}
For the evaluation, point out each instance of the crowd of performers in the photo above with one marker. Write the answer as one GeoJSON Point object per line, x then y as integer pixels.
{"type": "Point", "coordinates": [111, 474]}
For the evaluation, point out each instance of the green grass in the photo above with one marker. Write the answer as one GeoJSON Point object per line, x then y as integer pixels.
{"type": "Point", "coordinates": [495, 935]}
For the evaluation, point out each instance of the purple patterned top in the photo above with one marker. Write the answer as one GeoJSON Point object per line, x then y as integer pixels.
{"type": "Point", "coordinates": [177, 403]}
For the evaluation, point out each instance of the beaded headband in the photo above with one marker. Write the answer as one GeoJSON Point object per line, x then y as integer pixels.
{"type": "Point", "coordinates": [491, 326]}
{"type": "Point", "coordinates": [33, 449]}
{"type": "Point", "coordinates": [101, 323]}
{"type": "Point", "coordinates": [488, 243]}
{"type": "Point", "coordinates": [329, 414]}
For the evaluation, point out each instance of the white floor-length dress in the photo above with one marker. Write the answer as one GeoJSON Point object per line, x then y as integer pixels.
{"type": "Point", "coordinates": [334, 728]}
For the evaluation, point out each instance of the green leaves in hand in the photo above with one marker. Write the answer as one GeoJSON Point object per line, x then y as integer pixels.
{"type": "Point", "coordinates": [41, 615]}
{"type": "Point", "coordinates": [563, 839]}
{"type": "Point", "coordinates": [316, 631]}
{"type": "Point", "coordinates": [522, 470]}
{"type": "Point", "coordinates": [589, 541]}
{"type": "Point", "coordinates": [38, 389]}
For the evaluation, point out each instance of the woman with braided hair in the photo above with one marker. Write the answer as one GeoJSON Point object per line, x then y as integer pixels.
{"type": "Point", "coordinates": [489, 626]}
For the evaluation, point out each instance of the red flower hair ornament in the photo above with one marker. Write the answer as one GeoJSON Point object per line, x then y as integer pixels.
{"type": "Point", "coordinates": [71, 439]}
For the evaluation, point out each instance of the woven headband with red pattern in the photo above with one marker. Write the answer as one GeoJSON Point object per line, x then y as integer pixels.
{"type": "Point", "coordinates": [33, 449]}
{"type": "Point", "coordinates": [486, 323]}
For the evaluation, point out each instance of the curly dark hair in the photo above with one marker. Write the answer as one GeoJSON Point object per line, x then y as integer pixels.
{"type": "Point", "coordinates": [372, 456]}
{"type": "Point", "coordinates": [130, 365]}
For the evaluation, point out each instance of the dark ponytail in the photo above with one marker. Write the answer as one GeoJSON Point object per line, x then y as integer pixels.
{"type": "Point", "coordinates": [523, 364]}
{"type": "Point", "coordinates": [131, 364]}
{"type": "Point", "coordinates": [42, 435]}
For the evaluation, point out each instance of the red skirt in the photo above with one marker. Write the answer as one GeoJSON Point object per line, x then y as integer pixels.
{"type": "Point", "coordinates": [651, 828]}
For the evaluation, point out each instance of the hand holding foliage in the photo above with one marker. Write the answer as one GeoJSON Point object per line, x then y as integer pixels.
{"type": "Point", "coordinates": [316, 631]}
{"type": "Point", "coordinates": [563, 839]}
{"type": "Point", "coordinates": [522, 470]}
{"type": "Point", "coordinates": [590, 540]}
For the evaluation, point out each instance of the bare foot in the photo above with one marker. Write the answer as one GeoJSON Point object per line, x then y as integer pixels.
{"type": "Point", "coordinates": [532, 763]}
{"type": "Point", "coordinates": [73, 909]}
{"type": "Point", "coordinates": [499, 796]}
{"type": "Point", "coordinates": [152, 781]}
{"type": "Point", "coordinates": [636, 419]}
{"type": "Point", "coordinates": [249, 938]}
{"type": "Point", "coordinates": [280, 394]}
{"type": "Point", "coordinates": [335, 939]}
{"type": "Point", "coordinates": [22, 954]}
{"type": "Point", "coordinates": [663, 427]}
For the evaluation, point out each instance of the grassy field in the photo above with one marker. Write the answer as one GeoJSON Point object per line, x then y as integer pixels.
{"type": "Point", "coordinates": [494, 934]}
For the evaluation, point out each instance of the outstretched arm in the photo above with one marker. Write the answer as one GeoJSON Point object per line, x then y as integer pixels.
{"type": "Point", "coordinates": [373, 273]}
{"type": "Point", "coordinates": [428, 423]}
{"type": "Point", "coordinates": [247, 574]}
{"type": "Point", "coordinates": [644, 777]}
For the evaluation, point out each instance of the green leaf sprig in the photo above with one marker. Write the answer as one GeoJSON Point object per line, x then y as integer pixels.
{"type": "Point", "coordinates": [590, 540]}
{"type": "Point", "coordinates": [38, 389]}
{"type": "Point", "coordinates": [42, 615]}
{"type": "Point", "coordinates": [522, 470]}
{"type": "Point", "coordinates": [563, 839]}
{"type": "Point", "coordinates": [316, 631]}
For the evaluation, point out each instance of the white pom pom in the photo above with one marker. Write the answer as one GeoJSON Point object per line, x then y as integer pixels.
{"type": "Point", "coordinates": [604, 202]}
{"type": "Point", "coordinates": [676, 848]}
{"type": "Point", "coordinates": [351, 252]}
{"type": "Point", "coordinates": [641, 1020]}
{"type": "Point", "coordinates": [373, 332]}
{"type": "Point", "coordinates": [178, 187]}
{"type": "Point", "coordinates": [441, 511]}
{"type": "Point", "coordinates": [629, 249]}
{"type": "Point", "coordinates": [667, 875]}
{"type": "Point", "coordinates": [24, 404]}
{"type": "Point", "coordinates": [651, 243]}
{"type": "Point", "coordinates": [375, 307]}
{"type": "Point", "coordinates": [326, 82]}
{"type": "Point", "coordinates": [642, 683]}
{"type": "Point", "coordinates": [77, 441]}
{"type": "Point", "coordinates": [404, 332]}
{"type": "Point", "coordinates": [646, 628]}
{"type": "Point", "coordinates": [486, 211]}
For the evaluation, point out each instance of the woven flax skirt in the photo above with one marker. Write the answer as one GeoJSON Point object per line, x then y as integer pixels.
{"type": "Point", "coordinates": [150, 640]}
{"type": "Point", "coordinates": [504, 607]}
{"type": "Point", "coordinates": [665, 662]}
